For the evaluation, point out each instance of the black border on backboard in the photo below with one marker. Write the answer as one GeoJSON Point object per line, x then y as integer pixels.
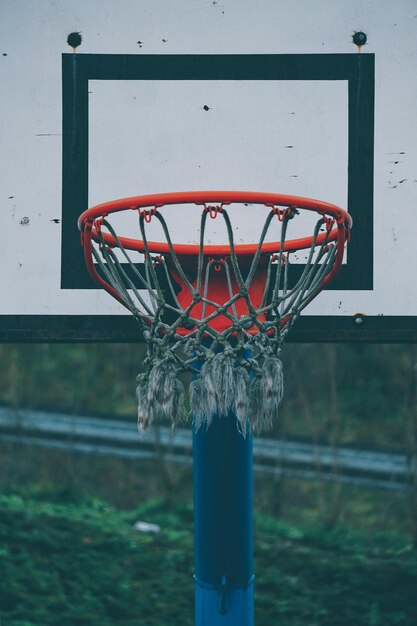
{"type": "Point", "coordinates": [357, 70]}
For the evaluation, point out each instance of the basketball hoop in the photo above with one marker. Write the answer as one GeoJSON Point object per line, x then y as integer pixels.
{"type": "Point", "coordinates": [221, 312]}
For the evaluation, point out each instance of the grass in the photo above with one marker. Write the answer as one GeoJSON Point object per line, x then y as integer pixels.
{"type": "Point", "coordinates": [82, 562]}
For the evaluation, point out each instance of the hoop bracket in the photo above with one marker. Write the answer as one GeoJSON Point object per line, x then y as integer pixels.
{"type": "Point", "coordinates": [213, 210]}
{"type": "Point", "coordinates": [282, 214]}
{"type": "Point", "coordinates": [147, 214]}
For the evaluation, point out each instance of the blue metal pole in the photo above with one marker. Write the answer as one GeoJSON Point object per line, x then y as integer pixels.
{"type": "Point", "coordinates": [223, 525]}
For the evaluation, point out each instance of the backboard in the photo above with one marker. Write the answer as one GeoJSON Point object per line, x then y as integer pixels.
{"type": "Point", "coordinates": [201, 95]}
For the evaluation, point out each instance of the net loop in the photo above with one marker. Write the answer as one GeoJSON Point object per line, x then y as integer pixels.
{"type": "Point", "coordinates": [218, 264]}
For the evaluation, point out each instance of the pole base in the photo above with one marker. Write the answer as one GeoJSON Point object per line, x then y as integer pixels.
{"type": "Point", "coordinates": [223, 607]}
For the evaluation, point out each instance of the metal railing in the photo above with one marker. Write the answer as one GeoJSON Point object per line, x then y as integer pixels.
{"type": "Point", "coordinates": [371, 469]}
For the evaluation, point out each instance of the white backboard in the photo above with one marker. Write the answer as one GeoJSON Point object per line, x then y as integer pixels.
{"type": "Point", "coordinates": [160, 97]}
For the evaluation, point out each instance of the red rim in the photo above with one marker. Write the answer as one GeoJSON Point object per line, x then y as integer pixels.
{"type": "Point", "coordinates": [340, 232]}
{"type": "Point", "coordinates": [341, 217]}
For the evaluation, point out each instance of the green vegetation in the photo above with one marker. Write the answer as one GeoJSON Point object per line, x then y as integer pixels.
{"type": "Point", "coordinates": [326, 554]}
{"type": "Point", "coordinates": [84, 563]}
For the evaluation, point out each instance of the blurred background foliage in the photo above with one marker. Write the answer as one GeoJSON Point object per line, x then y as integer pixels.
{"type": "Point", "coordinates": [316, 543]}
{"type": "Point", "coordinates": [335, 394]}
{"type": "Point", "coordinates": [368, 386]}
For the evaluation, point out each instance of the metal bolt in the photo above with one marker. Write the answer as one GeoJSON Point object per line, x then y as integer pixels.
{"type": "Point", "coordinates": [359, 38]}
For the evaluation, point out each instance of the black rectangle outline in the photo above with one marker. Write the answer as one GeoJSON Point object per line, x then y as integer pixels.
{"type": "Point", "coordinates": [356, 69]}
